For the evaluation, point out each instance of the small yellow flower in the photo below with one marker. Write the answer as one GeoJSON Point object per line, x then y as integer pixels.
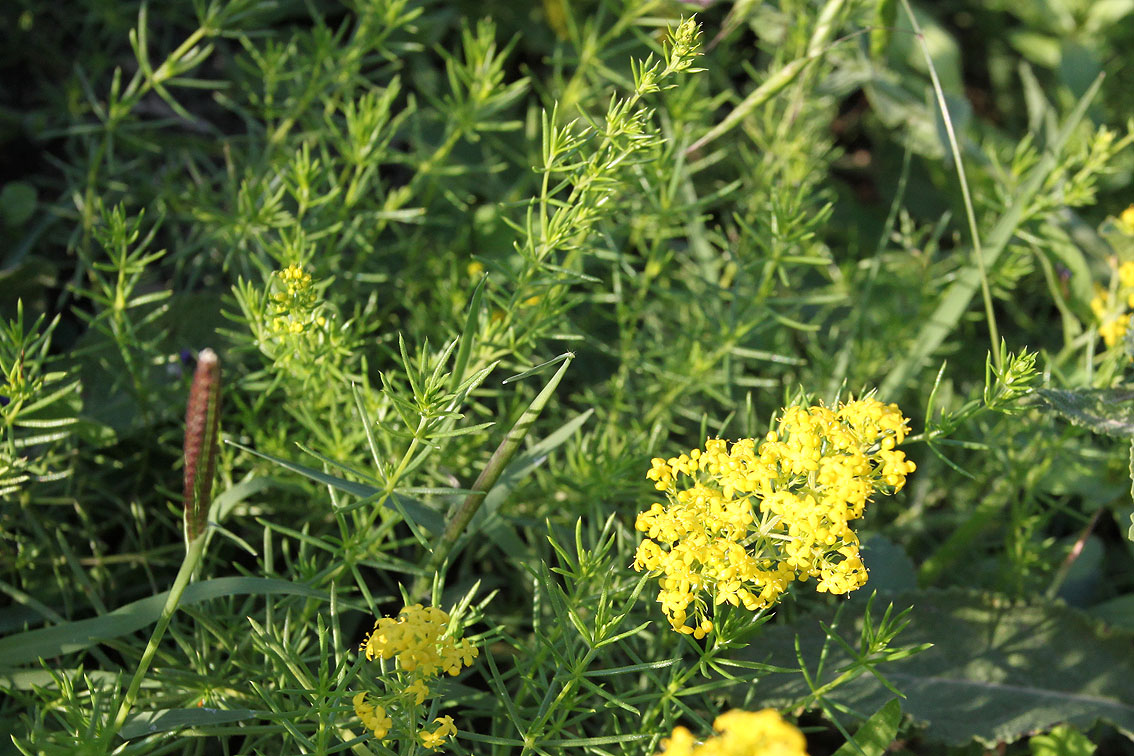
{"type": "Point", "coordinates": [1111, 308]}
{"type": "Point", "coordinates": [293, 302]}
{"type": "Point", "coordinates": [474, 269]}
{"type": "Point", "coordinates": [419, 690]}
{"type": "Point", "coordinates": [372, 717]}
{"type": "Point", "coordinates": [1126, 221]}
{"type": "Point", "coordinates": [1126, 275]}
{"type": "Point", "coordinates": [435, 739]}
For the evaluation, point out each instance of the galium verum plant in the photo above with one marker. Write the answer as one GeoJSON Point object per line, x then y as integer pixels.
{"type": "Point", "coordinates": [743, 521]}
{"type": "Point", "coordinates": [418, 641]}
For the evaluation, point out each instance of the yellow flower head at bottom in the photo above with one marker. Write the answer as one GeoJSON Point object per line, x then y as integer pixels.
{"type": "Point", "coordinates": [742, 733]}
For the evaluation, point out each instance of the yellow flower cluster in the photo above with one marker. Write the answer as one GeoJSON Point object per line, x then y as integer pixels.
{"type": "Point", "coordinates": [293, 302]}
{"type": "Point", "coordinates": [372, 717]}
{"type": "Point", "coordinates": [742, 733]}
{"type": "Point", "coordinates": [1112, 308]}
{"type": "Point", "coordinates": [743, 521]}
{"type": "Point", "coordinates": [416, 640]}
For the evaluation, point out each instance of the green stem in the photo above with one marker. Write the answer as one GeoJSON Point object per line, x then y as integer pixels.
{"type": "Point", "coordinates": [970, 213]}
{"type": "Point", "coordinates": [192, 558]}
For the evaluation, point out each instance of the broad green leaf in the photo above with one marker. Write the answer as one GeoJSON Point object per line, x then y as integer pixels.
{"type": "Point", "coordinates": [1079, 65]}
{"type": "Point", "coordinates": [997, 670]}
{"type": "Point", "coordinates": [891, 569]}
{"type": "Point", "coordinates": [74, 636]}
{"type": "Point", "coordinates": [1102, 14]}
{"type": "Point", "coordinates": [876, 734]}
{"type": "Point", "coordinates": [943, 49]}
{"type": "Point", "coordinates": [1117, 611]}
{"type": "Point", "coordinates": [1038, 48]}
{"type": "Point", "coordinates": [227, 501]}
{"type": "Point", "coordinates": [29, 679]}
{"type": "Point", "coordinates": [1106, 411]}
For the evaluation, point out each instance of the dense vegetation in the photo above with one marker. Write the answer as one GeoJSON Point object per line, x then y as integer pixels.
{"type": "Point", "coordinates": [856, 275]}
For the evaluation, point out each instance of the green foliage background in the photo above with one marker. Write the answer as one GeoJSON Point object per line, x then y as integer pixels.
{"type": "Point", "coordinates": [475, 189]}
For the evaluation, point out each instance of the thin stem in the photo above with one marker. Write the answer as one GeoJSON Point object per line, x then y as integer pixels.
{"type": "Point", "coordinates": [970, 213]}
{"type": "Point", "coordinates": [188, 564]}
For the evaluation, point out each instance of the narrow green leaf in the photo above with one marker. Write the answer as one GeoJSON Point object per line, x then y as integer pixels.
{"type": "Point", "coordinates": [168, 720]}
{"type": "Point", "coordinates": [74, 636]}
{"type": "Point", "coordinates": [955, 302]}
{"type": "Point", "coordinates": [523, 464]}
{"type": "Point", "coordinates": [1130, 532]}
{"type": "Point", "coordinates": [772, 85]}
{"type": "Point", "coordinates": [568, 356]}
{"type": "Point", "coordinates": [825, 27]}
{"type": "Point", "coordinates": [367, 427]}
{"type": "Point", "coordinates": [411, 508]}
{"type": "Point", "coordinates": [467, 337]}
{"type": "Point", "coordinates": [339, 484]}
{"type": "Point", "coordinates": [876, 734]}
{"type": "Point", "coordinates": [462, 513]}
{"type": "Point", "coordinates": [882, 27]}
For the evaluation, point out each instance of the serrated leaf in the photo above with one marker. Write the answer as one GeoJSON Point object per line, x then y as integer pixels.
{"type": "Point", "coordinates": [1130, 532]}
{"type": "Point", "coordinates": [1106, 411]}
{"type": "Point", "coordinates": [996, 672]}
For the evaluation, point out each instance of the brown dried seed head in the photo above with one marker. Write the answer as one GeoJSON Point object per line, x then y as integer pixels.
{"type": "Point", "coordinates": [202, 423]}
